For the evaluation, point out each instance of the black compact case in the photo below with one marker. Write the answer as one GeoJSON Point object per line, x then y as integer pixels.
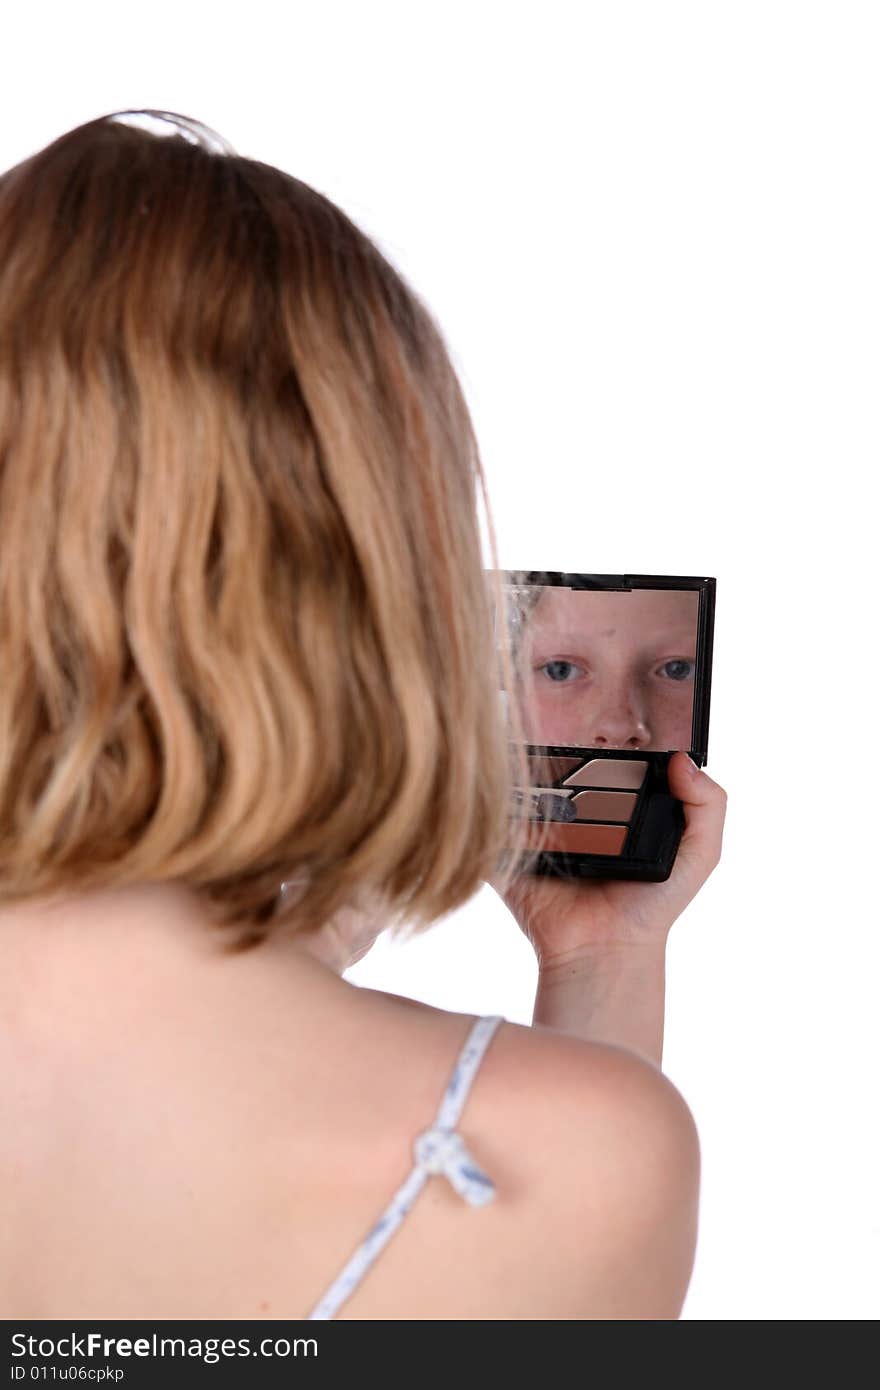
{"type": "Point", "coordinates": [606, 801]}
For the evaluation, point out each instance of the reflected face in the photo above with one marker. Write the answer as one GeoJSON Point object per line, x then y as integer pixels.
{"type": "Point", "coordinates": [609, 670]}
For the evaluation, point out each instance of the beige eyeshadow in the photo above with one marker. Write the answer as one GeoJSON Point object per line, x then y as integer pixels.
{"type": "Point", "coordinates": [609, 772]}
{"type": "Point", "coordinates": [605, 805]}
{"type": "Point", "coordinates": [572, 838]}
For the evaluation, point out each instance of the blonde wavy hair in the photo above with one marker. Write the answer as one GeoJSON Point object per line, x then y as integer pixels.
{"type": "Point", "coordinates": [246, 636]}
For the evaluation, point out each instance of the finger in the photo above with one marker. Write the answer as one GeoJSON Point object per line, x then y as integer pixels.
{"type": "Point", "coordinates": [705, 807]}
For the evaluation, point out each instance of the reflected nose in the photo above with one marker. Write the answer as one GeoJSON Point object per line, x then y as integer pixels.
{"type": "Point", "coordinates": [621, 720]}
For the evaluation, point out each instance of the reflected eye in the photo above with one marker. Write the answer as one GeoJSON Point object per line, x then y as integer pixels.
{"type": "Point", "coordinates": [558, 671]}
{"type": "Point", "coordinates": [679, 669]}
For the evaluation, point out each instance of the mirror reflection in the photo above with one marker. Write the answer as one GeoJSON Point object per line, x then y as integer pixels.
{"type": "Point", "coordinates": [601, 669]}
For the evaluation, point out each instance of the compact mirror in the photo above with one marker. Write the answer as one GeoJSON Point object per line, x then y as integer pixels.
{"type": "Point", "coordinates": [617, 666]}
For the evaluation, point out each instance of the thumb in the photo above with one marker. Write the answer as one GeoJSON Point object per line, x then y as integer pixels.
{"type": "Point", "coordinates": [705, 807]}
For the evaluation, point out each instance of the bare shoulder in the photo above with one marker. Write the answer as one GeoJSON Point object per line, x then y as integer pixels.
{"type": "Point", "coordinates": [610, 1147]}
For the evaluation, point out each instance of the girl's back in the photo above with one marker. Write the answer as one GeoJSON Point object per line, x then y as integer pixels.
{"type": "Point", "coordinates": [181, 1139]}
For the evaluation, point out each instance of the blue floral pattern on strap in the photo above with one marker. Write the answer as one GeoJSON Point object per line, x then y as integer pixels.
{"type": "Point", "coordinates": [439, 1150]}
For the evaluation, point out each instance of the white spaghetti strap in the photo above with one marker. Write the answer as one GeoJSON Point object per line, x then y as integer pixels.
{"type": "Point", "coordinates": [439, 1149]}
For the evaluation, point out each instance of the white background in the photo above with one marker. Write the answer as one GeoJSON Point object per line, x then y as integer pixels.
{"type": "Point", "coordinates": [650, 233]}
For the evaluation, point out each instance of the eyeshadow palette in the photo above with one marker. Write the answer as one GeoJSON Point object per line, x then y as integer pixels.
{"type": "Point", "coordinates": [639, 649]}
{"type": "Point", "coordinates": [607, 804]}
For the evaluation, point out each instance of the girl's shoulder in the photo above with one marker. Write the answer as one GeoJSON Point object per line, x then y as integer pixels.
{"type": "Point", "coordinates": [595, 1161]}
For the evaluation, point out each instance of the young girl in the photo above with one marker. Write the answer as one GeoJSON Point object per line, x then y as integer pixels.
{"type": "Point", "coordinates": [245, 641]}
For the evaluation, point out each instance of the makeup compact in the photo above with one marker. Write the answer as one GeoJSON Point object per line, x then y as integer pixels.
{"type": "Point", "coordinates": [612, 674]}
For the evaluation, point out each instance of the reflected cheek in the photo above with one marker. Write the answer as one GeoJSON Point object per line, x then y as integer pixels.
{"type": "Point", "coordinates": [672, 715]}
{"type": "Point", "coordinates": [557, 712]}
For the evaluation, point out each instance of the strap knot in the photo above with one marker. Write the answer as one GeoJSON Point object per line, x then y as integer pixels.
{"type": "Point", "coordinates": [444, 1151]}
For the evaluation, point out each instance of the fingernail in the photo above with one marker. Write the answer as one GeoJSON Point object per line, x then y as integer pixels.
{"type": "Point", "coordinates": [692, 767]}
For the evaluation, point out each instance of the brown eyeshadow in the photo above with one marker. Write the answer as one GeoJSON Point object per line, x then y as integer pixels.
{"type": "Point", "coordinates": [609, 772]}
{"type": "Point", "coordinates": [617, 806]}
{"type": "Point", "coordinates": [572, 838]}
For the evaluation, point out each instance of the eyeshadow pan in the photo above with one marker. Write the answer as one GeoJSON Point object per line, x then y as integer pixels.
{"type": "Point", "coordinates": [578, 839]}
{"type": "Point", "coordinates": [609, 772]}
{"type": "Point", "coordinates": [617, 806]}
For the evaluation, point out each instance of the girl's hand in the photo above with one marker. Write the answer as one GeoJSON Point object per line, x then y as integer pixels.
{"type": "Point", "coordinates": [565, 919]}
